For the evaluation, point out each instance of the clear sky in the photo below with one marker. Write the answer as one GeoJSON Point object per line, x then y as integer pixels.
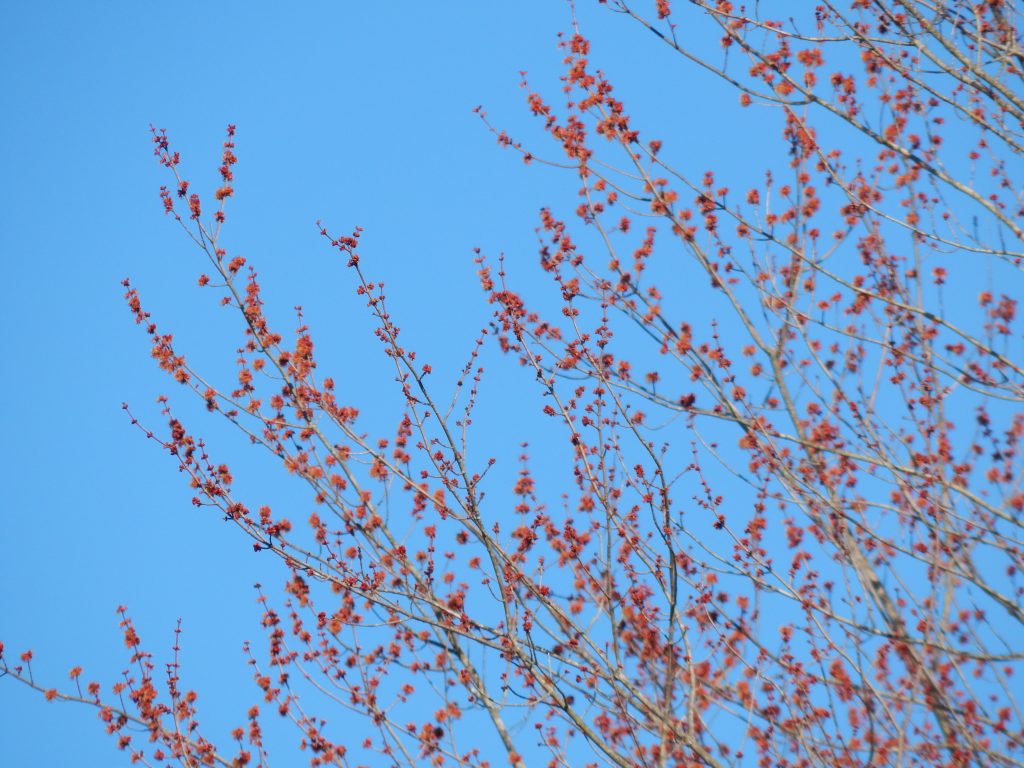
{"type": "Point", "coordinates": [356, 113]}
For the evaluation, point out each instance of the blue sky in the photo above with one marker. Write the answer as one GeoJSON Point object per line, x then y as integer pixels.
{"type": "Point", "coordinates": [352, 113]}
